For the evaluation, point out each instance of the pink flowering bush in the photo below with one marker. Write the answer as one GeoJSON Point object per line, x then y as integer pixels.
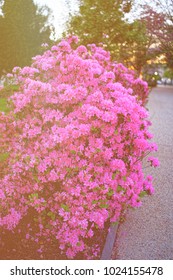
{"type": "Point", "coordinates": [74, 143]}
{"type": "Point", "coordinates": [127, 78]}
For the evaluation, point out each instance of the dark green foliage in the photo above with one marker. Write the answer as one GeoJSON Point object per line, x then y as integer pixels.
{"type": "Point", "coordinates": [100, 21]}
{"type": "Point", "coordinates": [104, 21]}
{"type": "Point", "coordinates": [23, 29]}
{"type": "Point", "coordinates": [137, 49]}
{"type": "Point", "coordinates": [3, 105]}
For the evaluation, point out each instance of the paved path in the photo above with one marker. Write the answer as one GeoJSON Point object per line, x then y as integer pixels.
{"type": "Point", "coordinates": [147, 233]}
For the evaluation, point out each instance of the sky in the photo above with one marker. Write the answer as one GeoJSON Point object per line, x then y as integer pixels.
{"type": "Point", "coordinates": [60, 11]}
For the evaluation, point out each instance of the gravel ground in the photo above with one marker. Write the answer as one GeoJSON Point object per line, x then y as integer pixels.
{"type": "Point", "coordinates": [147, 233]}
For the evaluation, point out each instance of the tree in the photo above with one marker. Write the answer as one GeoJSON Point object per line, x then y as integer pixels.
{"type": "Point", "coordinates": [24, 27]}
{"type": "Point", "coordinates": [137, 48]}
{"type": "Point", "coordinates": [159, 22]}
{"type": "Point", "coordinates": [104, 21]}
{"type": "Point", "coordinates": [168, 74]}
{"type": "Point", "coordinates": [101, 21]}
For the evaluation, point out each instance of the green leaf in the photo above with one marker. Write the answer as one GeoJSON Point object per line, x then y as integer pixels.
{"type": "Point", "coordinates": [3, 105]}
{"type": "Point", "coordinates": [114, 223]}
{"type": "Point", "coordinates": [95, 129]}
{"type": "Point", "coordinates": [48, 226]}
{"type": "Point", "coordinates": [110, 193]}
{"type": "Point", "coordinates": [15, 87]}
{"type": "Point", "coordinates": [68, 169]}
{"type": "Point", "coordinates": [94, 202]}
{"type": "Point", "coordinates": [98, 150]}
{"type": "Point", "coordinates": [76, 169]}
{"type": "Point", "coordinates": [51, 215]}
{"type": "Point", "coordinates": [104, 205]}
{"type": "Point", "coordinates": [4, 156]}
{"type": "Point", "coordinates": [120, 188]}
{"type": "Point", "coordinates": [142, 194]}
{"type": "Point", "coordinates": [27, 158]}
{"type": "Point", "coordinates": [33, 195]}
{"type": "Point", "coordinates": [36, 178]}
{"type": "Point", "coordinates": [65, 207]}
{"type": "Point", "coordinates": [96, 189]}
{"type": "Point", "coordinates": [124, 178]}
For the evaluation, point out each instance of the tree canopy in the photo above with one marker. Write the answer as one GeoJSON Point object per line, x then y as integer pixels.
{"type": "Point", "coordinates": [105, 21]}
{"type": "Point", "coordinates": [159, 23]}
{"type": "Point", "coordinates": [133, 42]}
{"type": "Point", "coordinates": [100, 21]}
{"type": "Point", "coordinates": [23, 27]}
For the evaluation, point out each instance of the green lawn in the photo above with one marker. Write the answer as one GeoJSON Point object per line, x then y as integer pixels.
{"type": "Point", "coordinates": [3, 156]}
{"type": "Point", "coordinates": [3, 105]}
{"type": "Point", "coordinates": [5, 109]}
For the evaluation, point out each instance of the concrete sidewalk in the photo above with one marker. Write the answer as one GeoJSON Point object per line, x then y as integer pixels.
{"type": "Point", "coordinates": [147, 232]}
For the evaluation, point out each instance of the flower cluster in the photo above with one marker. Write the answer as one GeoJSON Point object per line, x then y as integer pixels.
{"type": "Point", "coordinates": [74, 140]}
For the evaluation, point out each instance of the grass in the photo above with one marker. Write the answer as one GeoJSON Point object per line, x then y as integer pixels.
{"type": "Point", "coordinates": [3, 105]}
{"type": "Point", "coordinates": [3, 156]}
{"type": "Point", "coordinates": [3, 108]}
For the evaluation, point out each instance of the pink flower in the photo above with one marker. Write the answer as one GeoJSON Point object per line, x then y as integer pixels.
{"type": "Point", "coordinates": [2, 195]}
{"type": "Point", "coordinates": [154, 161]}
{"type": "Point", "coordinates": [27, 236]}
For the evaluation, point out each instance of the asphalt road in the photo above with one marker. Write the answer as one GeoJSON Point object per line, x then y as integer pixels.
{"type": "Point", "coordinates": [147, 233]}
